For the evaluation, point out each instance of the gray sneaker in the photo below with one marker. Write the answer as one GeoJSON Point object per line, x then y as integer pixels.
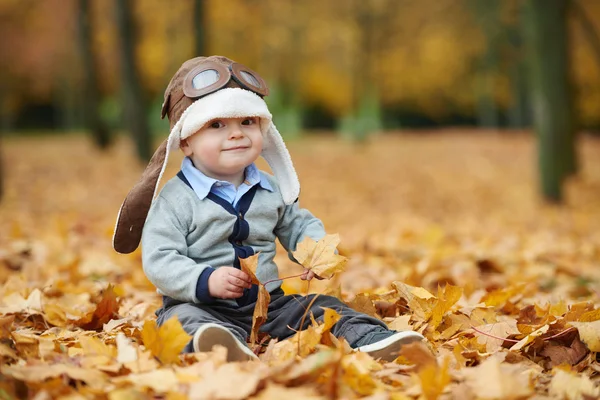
{"type": "Point", "coordinates": [209, 335]}
{"type": "Point", "coordinates": [386, 344]}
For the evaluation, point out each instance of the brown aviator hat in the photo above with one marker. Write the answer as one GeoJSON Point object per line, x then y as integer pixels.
{"type": "Point", "coordinates": [203, 89]}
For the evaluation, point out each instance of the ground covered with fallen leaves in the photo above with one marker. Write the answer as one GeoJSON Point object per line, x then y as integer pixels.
{"type": "Point", "coordinates": [444, 233]}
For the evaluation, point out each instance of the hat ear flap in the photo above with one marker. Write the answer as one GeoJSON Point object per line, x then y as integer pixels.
{"type": "Point", "coordinates": [165, 106]}
{"type": "Point", "coordinates": [135, 207]}
{"type": "Point", "coordinates": [277, 156]}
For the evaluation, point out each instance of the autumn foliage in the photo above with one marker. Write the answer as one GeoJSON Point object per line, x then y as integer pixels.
{"type": "Point", "coordinates": [443, 233]}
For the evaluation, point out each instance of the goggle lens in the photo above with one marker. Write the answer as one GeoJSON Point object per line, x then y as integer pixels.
{"type": "Point", "coordinates": [205, 79]}
{"type": "Point", "coordinates": [248, 77]}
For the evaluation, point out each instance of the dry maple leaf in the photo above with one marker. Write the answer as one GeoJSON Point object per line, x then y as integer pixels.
{"type": "Point", "coordinates": [167, 341]}
{"type": "Point", "coordinates": [320, 256]}
{"type": "Point", "coordinates": [589, 333]}
{"type": "Point", "coordinates": [249, 265]}
{"type": "Point", "coordinates": [106, 309]}
{"type": "Point", "coordinates": [566, 385]}
{"type": "Point", "coordinates": [434, 379]}
{"type": "Point", "coordinates": [493, 379]}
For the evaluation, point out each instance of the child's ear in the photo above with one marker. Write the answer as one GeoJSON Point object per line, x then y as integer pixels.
{"type": "Point", "coordinates": [185, 147]}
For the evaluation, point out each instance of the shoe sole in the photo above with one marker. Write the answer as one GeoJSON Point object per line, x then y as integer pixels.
{"type": "Point", "coordinates": [389, 348]}
{"type": "Point", "coordinates": [210, 335]}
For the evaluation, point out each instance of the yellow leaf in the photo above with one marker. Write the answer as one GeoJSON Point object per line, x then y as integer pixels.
{"type": "Point", "coordinates": [502, 329]}
{"type": "Point", "coordinates": [320, 256]}
{"type": "Point", "coordinates": [446, 298]}
{"type": "Point", "coordinates": [161, 380]}
{"type": "Point", "coordinates": [530, 338]}
{"type": "Point", "coordinates": [330, 318]}
{"type": "Point", "coordinates": [231, 381]}
{"type": "Point", "coordinates": [568, 386]}
{"type": "Point", "coordinates": [434, 379]}
{"type": "Point", "coordinates": [589, 332]}
{"type": "Point", "coordinates": [590, 316]}
{"type": "Point", "coordinates": [419, 300]}
{"type": "Point", "coordinates": [15, 303]}
{"type": "Point", "coordinates": [357, 373]}
{"type": "Point", "coordinates": [362, 303]}
{"type": "Point", "coordinates": [96, 352]}
{"type": "Point", "coordinates": [495, 380]}
{"type": "Point", "coordinates": [41, 372]}
{"type": "Point", "coordinates": [166, 342]}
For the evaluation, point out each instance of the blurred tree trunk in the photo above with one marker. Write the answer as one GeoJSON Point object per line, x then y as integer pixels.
{"type": "Point", "coordinates": [588, 29]}
{"type": "Point", "coordinates": [546, 24]}
{"type": "Point", "coordinates": [487, 12]}
{"type": "Point", "coordinates": [66, 97]}
{"type": "Point", "coordinates": [519, 113]}
{"type": "Point", "coordinates": [366, 116]}
{"type": "Point", "coordinates": [135, 103]}
{"type": "Point", "coordinates": [1, 170]}
{"type": "Point", "coordinates": [91, 98]}
{"type": "Point", "coordinates": [199, 25]}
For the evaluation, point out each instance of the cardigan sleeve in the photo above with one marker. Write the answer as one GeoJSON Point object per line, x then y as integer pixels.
{"type": "Point", "coordinates": [165, 256]}
{"type": "Point", "coordinates": [295, 224]}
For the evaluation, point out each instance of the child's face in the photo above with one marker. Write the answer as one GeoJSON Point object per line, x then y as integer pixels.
{"type": "Point", "coordinates": [224, 147]}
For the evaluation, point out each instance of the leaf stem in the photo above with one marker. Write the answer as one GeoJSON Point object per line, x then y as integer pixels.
{"type": "Point", "coordinates": [560, 333]}
{"type": "Point", "coordinates": [280, 279]}
{"type": "Point", "coordinates": [517, 341]}
{"type": "Point", "coordinates": [495, 337]}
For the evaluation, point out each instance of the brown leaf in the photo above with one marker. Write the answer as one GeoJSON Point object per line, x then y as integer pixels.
{"type": "Point", "coordinates": [249, 266]}
{"type": "Point", "coordinates": [589, 333]}
{"type": "Point", "coordinates": [565, 355]}
{"type": "Point", "coordinates": [260, 312]}
{"type": "Point", "coordinates": [362, 303]}
{"type": "Point", "coordinates": [418, 353]}
{"type": "Point", "coordinates": [6, 326]}
{"type": "Point", "coordinates": [320, 256]}
{"type": "Point", "coordinates": [107, 309]}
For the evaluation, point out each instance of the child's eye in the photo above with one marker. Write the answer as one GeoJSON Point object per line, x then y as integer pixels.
{"type": "Point", "coordinates": [249, 121]}
{"type": "Point", "coordinates": [216, 125]}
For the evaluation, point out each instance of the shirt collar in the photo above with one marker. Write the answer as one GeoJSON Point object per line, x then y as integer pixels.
{"type": "Point", "coordinates": [202, 184]}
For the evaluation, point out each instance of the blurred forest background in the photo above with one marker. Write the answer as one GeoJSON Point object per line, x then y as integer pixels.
{"type": "Point", "coordinates": [350, 66]}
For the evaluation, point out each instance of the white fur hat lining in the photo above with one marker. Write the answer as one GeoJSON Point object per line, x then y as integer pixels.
{"type": "Point", "coordinates": [235, 103]}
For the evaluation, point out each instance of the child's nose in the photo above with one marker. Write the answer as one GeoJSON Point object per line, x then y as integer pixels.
{"type": "Point", "coordinates": [235, 132]}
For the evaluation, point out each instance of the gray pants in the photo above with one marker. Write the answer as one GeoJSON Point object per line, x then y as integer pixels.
{"type": "Point", "coordinates": [285, 312]}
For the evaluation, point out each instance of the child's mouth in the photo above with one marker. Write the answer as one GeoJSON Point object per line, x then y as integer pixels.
{"type": "Point", "coordinates": [237, 148]}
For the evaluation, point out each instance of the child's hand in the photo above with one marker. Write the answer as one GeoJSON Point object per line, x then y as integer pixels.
{"type": "Point", "coordinates": [228, 283]}
{"type": "Point", "coordinates": [307, 275]}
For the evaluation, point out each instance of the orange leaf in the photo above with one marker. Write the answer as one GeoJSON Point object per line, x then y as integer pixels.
{"type": "Point", "coordinates": [260, 312]}
{"type": "Point", "coordinates": [249, 265]}
{"type": "Point", "coordinates": [320, 256]}
{"type": "Point", "coordinates": [106, 310]}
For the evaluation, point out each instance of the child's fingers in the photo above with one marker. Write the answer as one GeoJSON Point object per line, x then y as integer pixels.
{"type": "Point", "coordinates": [232, 295]}
{"type": "Point", "coordinates": [239, 278]}
{"type": "Point", "coordinates": [238, 282]}
{"type": "Point", "coordinates": [304, 274]}
{"type": "Point", "coordinates": [234, 288]}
